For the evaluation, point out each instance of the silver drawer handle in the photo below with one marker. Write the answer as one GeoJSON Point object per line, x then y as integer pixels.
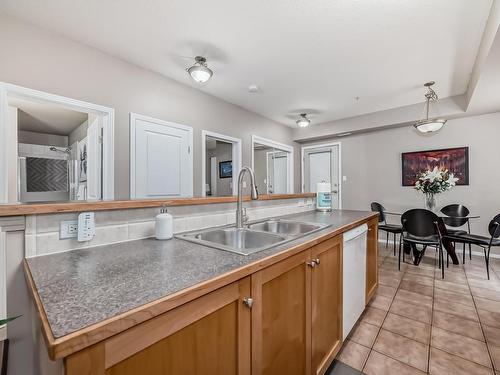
{"type": "Point", "coordinates": [248, 302]}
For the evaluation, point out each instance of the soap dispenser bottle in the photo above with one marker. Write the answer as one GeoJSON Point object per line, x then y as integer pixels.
{"type": "Point", "coordinates": [164, 225]}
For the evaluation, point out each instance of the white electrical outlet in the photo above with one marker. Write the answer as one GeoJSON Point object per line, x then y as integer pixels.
{"type": "Point", "coordinates": [86, 226]}
{"type": "Point", "coordinates": [68, 229]}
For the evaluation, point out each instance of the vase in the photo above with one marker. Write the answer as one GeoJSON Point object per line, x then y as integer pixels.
{"type": "Point", "coordinates": [430, 201]}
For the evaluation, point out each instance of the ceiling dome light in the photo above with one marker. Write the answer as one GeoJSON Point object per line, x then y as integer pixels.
{"type": "Point", "coordinates": [303, 121]}
{"type": "Point", "coordinates": [429, 125]}
{"type": "Point", "coordinates": [199, 72]}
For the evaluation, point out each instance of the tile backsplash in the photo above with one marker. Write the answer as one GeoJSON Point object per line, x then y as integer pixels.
{"type": "Point", "coordinates": [42, 231]}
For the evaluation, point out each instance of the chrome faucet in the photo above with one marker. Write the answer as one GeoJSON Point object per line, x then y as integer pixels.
{"type": "Point", "coordinates": [240, 218]}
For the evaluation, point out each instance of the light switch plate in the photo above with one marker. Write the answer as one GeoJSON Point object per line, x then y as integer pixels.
{"type": "Point", "coordinates": [68, 229]}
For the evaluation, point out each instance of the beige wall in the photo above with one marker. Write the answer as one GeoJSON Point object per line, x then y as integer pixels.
{"type": "Point", "coordinates": [372, 164]}
{"type": "Point", "coordinates": [44, 61]}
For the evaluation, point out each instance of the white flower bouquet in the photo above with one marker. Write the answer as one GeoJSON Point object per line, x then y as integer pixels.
{"type": "Point", "coordinates": [435, 181]}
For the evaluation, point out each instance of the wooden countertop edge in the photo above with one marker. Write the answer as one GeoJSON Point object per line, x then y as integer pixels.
{"type": "Point", "coordinates": [52, 207]}
{"type": "Point", "coordinates": [66, 345]}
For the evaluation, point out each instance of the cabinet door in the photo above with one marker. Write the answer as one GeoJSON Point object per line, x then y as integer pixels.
{"type": "Point", "coordinates": [281, 318]}
{"type": "Point", "coordinates": [372, 259]}
{"type": "Point", "coordinates": [209, 336]}
{"type": "Point", "coordinates": [326, 296]}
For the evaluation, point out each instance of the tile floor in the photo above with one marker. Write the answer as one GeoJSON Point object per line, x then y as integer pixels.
{"type": "Point", "coordinates": [418, 323]}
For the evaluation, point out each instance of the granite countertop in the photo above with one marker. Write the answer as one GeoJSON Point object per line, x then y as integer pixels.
{"type": "Point", "coordinates": [82, 287]}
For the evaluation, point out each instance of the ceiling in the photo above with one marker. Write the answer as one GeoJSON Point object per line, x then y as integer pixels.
{"type": "Point", "coordinates": [46, 118]}
{"type": "Point", "coordinates": [332, 59]}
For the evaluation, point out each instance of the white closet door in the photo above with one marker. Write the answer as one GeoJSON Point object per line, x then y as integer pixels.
{"type": "Point", "coordinates": [161, 158]}
{"type": "Point", "coordinates": [94, 158]}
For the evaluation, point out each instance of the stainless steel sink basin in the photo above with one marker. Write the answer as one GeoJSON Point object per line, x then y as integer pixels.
{"type": "Point", "coordinates": [255, 237]}
{"type": "Point", "coordinates": [287, 227]}
{"type": "Point", "coordinates": [241, 241]}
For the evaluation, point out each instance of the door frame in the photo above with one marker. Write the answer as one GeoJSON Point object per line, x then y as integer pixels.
{"type": "Point", "coordinates": [279, 146]}
{"type": "Point", "coordinates": [136, 116]}
{"type": "Point", "coordinates": [302, 167]}
{"type": "Point", "coordinates": [107, 115]}
{"type": "Point", "coordinates": [237, 157]}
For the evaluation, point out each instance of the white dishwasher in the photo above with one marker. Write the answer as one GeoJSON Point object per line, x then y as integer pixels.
{"type": "Point", "coordinates": [354, 272]}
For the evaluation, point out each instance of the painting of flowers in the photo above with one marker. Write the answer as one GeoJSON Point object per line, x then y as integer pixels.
{"type": "Point", "coordinates": [453, 160]}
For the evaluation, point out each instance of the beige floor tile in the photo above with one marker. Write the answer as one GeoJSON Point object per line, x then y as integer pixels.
{"type": "Point", "coordinates": [457, 309]}
{"type": "Point", "coordinates": [429, 281]}
{"type": "Point", "coordinates": [464, 347]}
{"type": "Point", "coordinates": [448, 285]}
{"type": "Point", "coordinates": [495, 356]}
{"type": "Point", "coordinates": [492, 335]}
{"type": "Point", "coordinates": [353, 354]}
{"type": "Point", "coordinates": [412, 311]}
{"type": "Point", "coordinates": [489, 318]}
{"type": "Point", "coordinates": [403, 349]}
{"type": "Point", "coordinates": [379, 364]}
{"type": "Point", "coordinates": [461, 326]}
{"type": "Point", "coordinates": [374, 316]}
{"type": "Point", "coordinates": [420, 271]}
{"type": "Point", "coordinates": [381, 302]}
{"type": "Point", "coordinates": [487, 304]}
{"type": "Point", "coordinates": [454, 277]}
{"type": "Point", "coordinates": [364, 334]}
{"type": "Point", "coordinates": [415, 298]}
{"type": "Point", "coordinates": [386, 291]}
{"type": "Point", "coordinates": [407, 327]}
{"type": "Point", "coordinates": [485, 284]}
{"type": "Point", "coordinates": [389, 281]}
{"type": "Point", "coordinates": [485, 293]}
{"type": "Point", "coordinates": [415, 287]}
{"type": "Point", "coordinates": [448, 295]}
{"type": "Point", "coordinates": [442, 363]}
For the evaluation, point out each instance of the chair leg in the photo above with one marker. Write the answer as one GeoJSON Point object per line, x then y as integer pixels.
{"type": "Point", "coordinates": [463, 255]}
{"type": "Point", "coordinates": [399, 257]}
{"type": "Point", "coordinates": [487, 260]}
{"type": "Point", "coordinates": [470, 251]}
{"type": "Point", "coordinates": [387, 239]}
{"type": "Point", "coordinates": [441, 252]}
{"type": "Point", "coordinates": [394, 244]}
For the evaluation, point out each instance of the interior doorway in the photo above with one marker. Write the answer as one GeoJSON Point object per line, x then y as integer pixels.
{"type": "Point", "coordinates": [53, 148]}
{"type": "Point", "coordinates": [221, 164]}
{"type": "Point", "coordinates": [322, 163]}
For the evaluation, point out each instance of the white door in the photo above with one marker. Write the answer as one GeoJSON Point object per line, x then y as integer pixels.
{"type": "Point", "coordinates": [94, 158]}
{"type": "Point", "coordinates": [277, 173]}
{"type": "Point", "coordinates": [161, 158]}
{"type": "Point", "coordinates": [322, 164]}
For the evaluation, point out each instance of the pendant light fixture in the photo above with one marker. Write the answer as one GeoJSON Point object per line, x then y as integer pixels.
{"type": "Point", "coordinates": [429, 125]}
{"type": "Point", "coordinates": [200, 72]}
{"type": "Point", "coordinates": [303, 121]}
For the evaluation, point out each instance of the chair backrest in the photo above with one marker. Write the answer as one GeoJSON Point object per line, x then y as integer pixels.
{"type": "Point", "coordinates": [377, 207]}
{"type": "Point", "coordinates": [419, 222]}
{"type": "Point", "coordinates": [493, 228]}
{"type": "Point", "coordinates": [455, 210]}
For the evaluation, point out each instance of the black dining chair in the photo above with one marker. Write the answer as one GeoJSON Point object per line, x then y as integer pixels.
{"type": "Point", "coordinates": [456, 218]}
{"type": "Point", "coordinates": [395, 229]}
{"type": "Point", "coordinates": [420, 227]}
{"type": "Point", "coordinates": [484, 242]}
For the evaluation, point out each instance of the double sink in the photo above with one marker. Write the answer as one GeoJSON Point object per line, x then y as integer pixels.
{"type": "Point", "coordinates": [253, 237]}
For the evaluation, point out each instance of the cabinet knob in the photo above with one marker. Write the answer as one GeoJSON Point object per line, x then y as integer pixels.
{"type": "Point", "coordinates": [248, 302]}
{"type": "Point", "coordinates": [317, 261]}
{"type": "Point", "coordinates": [312, 264]}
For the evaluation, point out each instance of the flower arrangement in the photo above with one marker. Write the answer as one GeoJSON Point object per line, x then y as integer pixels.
{"type": "Point", "coordinates": [435, 181]}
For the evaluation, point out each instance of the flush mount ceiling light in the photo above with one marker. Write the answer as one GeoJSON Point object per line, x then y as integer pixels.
{"type": "Point", "coordinates": [429, 125]}
{"type": "Point", "coordinates": [303, 121]}
{"type": "Point", "coordinates": [200, 72]}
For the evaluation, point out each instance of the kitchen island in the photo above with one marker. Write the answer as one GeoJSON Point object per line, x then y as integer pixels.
{"type": "Point", "coordinates": [177, 307]}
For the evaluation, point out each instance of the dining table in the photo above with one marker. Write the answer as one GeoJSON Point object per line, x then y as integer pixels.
{"type": "Point", "coordinates": [448, 245]}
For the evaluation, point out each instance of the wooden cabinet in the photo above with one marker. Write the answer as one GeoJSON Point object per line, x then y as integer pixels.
{"type": "Point", "coordinates": [326, 298]}
{"type": "Point", "coordinates": [297, 312]}
{"type": "Point", "coordinates": [372, 259]}
{"type": "Point", "coordinates": [210, 335]}
{"type": "Point", "coordinates": [292, 323]}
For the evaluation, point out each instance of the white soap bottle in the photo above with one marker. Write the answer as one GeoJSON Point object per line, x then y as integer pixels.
{"type": "Point", "coordinates": [164, 225]}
